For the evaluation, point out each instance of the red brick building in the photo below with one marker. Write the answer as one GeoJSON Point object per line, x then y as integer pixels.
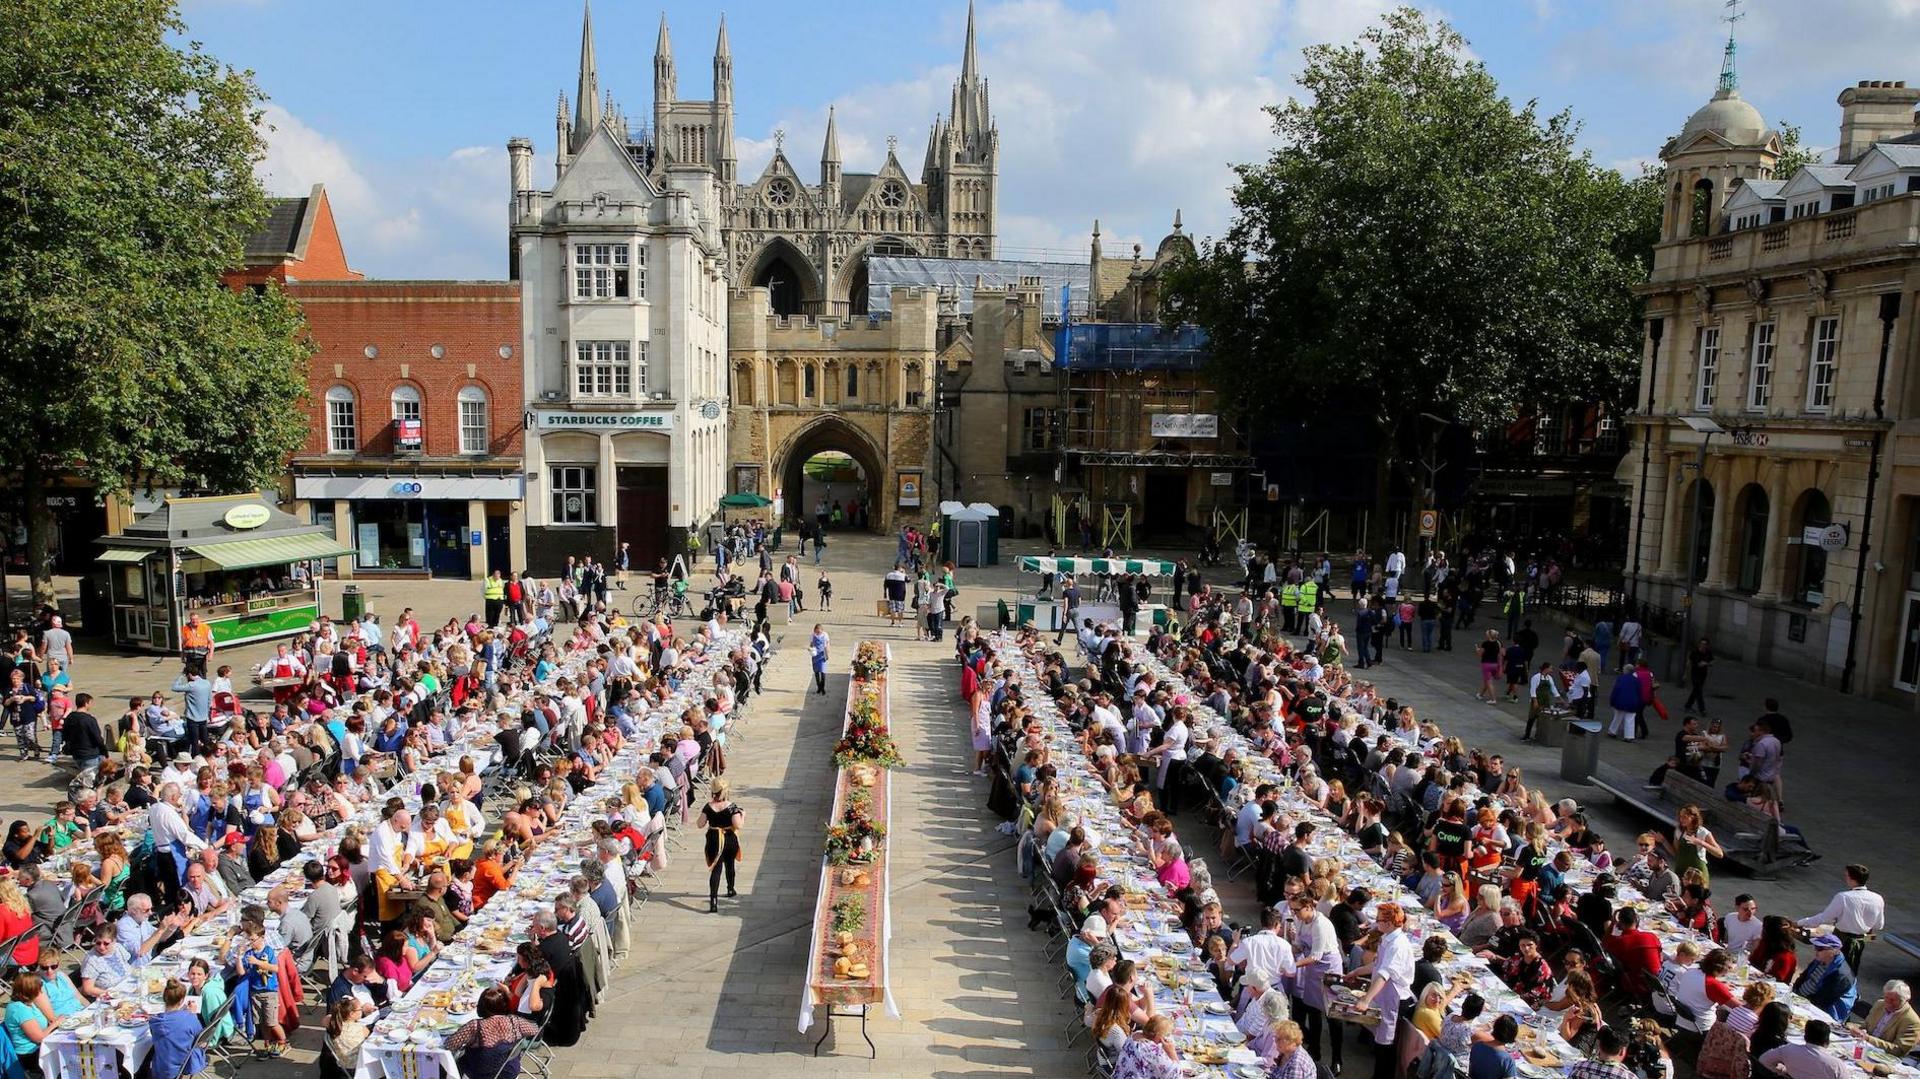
{"type": "Point", "coordinates": [298, 242]}
{"type": "Point", "coordinates": [414, 453]}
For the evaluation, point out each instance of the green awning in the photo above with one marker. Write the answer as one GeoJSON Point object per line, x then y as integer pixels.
{"type": "Point", "coordinates": [270, 550]}
{"type": "Point", "coordinates": [124, 554]}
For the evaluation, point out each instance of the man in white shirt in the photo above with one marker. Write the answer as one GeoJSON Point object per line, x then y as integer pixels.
{"type": "Point", "coordinates": [1396, 564]}
{"type": "Point", "coordinates": [179, 771]}
{"type": "Point", "coordinates": [1266, 951]}
{"type": "Point", "coordinates": [173, 841]}
{"type": "Point", "coordinates": [1629, 641]}
{"type": "Point", "coordinates": [1854, 915]}
{"type": "Point", "coordinates": [1741, 926]}
{"type": "Point", "coordinates": [387, 849]}
{"type": "Point", "coordinates": [1108, 717]}
{"type": "Point", "coordinates": [1580, 692]}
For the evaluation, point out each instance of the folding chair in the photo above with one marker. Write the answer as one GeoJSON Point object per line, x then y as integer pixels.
{"type": "Point", "coordinates": [225, 1051]}
{"type": "Point", "coordinates": [202, 1041]}
{"type": "Point", "coordinates": [1077, 1024]}
{"type": "Point", "coordinates": [8, 968]}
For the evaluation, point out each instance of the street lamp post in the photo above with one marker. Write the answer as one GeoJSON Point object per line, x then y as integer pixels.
{"type": "Point", "coordinates": [1706, 429]}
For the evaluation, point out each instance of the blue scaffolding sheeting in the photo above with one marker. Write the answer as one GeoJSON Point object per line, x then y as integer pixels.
{"type": "Point", "coordinates": [1129, 346]}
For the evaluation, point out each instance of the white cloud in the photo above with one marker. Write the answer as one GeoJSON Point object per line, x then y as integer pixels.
{"type": "Point", "coordinates": [424, 217]}
{"type": "Point", "coordinates": [298, 157]}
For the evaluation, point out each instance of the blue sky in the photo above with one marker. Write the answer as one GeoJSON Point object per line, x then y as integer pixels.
{"type": "Point", "coordinates": [1117, 109]}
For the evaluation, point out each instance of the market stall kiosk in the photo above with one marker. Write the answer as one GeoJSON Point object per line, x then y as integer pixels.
{"type": "Point", "coordinates": [243, 566]}
{"type": "Point", "coordinates": [1047, 613]}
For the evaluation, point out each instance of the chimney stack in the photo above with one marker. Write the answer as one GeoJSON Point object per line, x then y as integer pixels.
{"type": "Point", "coordinates": [1874, 111]}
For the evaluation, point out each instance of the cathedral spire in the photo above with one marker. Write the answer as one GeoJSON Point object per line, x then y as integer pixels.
{"type": "Point", "coordinates": [830, 150]}
{"type": "Point", "coordinates": [586, 101]}
{"type": "Point", "coordinates": [664, 81]}
{"type": "Point", "coordinates": [830, 161]}
{"type": "Point", "coordinates": [969, 63]}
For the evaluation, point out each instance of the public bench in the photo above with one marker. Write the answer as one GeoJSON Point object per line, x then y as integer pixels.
{"type": "Point", "coordinates": [1751, 838]}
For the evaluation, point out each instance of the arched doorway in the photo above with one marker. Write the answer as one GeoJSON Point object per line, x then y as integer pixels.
{"type": "Point", "coordinates": [785, 273]}
{"type": "Point", "coordinates": [831, 459]}
{"type": "Point", "coordinates": [1807, 574]}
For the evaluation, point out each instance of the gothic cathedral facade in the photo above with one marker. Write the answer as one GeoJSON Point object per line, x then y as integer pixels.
{"type": "Point", "coordinates": [807, 370]}
{"type": "Point", "coordinates": [808, 243]}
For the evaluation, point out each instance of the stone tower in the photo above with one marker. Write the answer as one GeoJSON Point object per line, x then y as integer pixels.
{"type": "Point", "coordinates": [806, 242]}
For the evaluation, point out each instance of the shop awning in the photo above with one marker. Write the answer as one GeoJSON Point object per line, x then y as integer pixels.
{"type": "Point", "coordinates": [1067, 564]}
{"type": "Point", "coordinates": [124, 554]}
{"type": "Point", "coordinates": [270, 550]}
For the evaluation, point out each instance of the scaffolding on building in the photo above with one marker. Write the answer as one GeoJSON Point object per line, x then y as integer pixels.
{"type": "Point", "coordinates": [958, 278]}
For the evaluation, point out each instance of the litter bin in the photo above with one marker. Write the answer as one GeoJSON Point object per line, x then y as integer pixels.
{"type": "Point", "coordinates": [1551, 731]}
{"type": "Point", "coordinates": [353, 603]}
{"type": "Point", "coordinates": [1580, 756]}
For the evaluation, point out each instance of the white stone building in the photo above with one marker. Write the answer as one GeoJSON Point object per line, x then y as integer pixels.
{"type": "Point", "coordinates": [624, 317]}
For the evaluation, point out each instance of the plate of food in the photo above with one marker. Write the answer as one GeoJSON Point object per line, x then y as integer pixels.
{"type": "Point", "coordinates": [1216, 1007]}
{"type": "Point", "coordinates": [1541, 1058]}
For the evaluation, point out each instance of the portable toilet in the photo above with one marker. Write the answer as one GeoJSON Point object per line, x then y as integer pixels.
{"type": "Point", "coordinates": [969, 540]}
{"type": "Point", "coordinates": [992, 513]}
{"type": "Point", "coordinates": [947, 510]}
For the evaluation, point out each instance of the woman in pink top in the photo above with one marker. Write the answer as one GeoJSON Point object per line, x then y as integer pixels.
{"type": "Point", "coordinates": [391, 961]}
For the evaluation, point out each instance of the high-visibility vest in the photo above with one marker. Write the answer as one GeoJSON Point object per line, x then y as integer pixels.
{"type": "Point", "coordinates": [1516, 601]}
{"type": "Point", "coordinates": [1309, 596]}
{"type": "Point", "coordinates": [496, 588]}
{"type": "Point", "coordinates": [1290, 596]}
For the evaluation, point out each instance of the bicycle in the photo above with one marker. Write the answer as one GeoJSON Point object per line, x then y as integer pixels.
{"type": "Point", "coordinates": [673, 602]}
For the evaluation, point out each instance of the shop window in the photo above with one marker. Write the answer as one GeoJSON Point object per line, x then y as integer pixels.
{"type": "Point", "coordinates": [389, 534]}
{"type": "Point", "coordinates": [473, 420]}
{"type": "Point", "coordinates": [574, 495]}
{"type": "Point", "coordinates": [343, 432]}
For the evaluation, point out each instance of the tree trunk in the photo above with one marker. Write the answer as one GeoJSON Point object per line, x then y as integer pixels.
{"type": "Point", "coordinates": [33, 492]}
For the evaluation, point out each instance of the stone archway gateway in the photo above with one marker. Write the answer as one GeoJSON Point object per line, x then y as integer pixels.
{"type": "Point", "coordinates": [833, 435]}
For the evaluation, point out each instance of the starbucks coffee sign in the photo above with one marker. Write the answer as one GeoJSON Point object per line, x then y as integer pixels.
{"type": "Point", "coordinates": [553, 419]}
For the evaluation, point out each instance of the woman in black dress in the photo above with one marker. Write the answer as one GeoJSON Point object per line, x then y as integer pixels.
{"type": "Point", "coordinates": [723, 841]}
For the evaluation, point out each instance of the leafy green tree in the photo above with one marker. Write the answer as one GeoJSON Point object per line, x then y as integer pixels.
{"type": "Point", "coordinates": [1792, 153]}
{"type": "Point", "coordinates": [1418, 243]}
{"type": "Point", "coordinates": [126, 190]}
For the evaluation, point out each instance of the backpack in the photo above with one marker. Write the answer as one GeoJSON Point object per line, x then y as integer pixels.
{"type": "Point", "coordinates": [1436, 1061]}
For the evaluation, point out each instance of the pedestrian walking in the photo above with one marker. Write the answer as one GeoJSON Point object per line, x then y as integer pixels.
{"type": "Point", "coordinates": [817, 652]}
{"type": "Point", "coordinates": [1699, 662]}
{"type": "Point", "coordinates": [1489, 665]}
{"type": "Point", "coordinates": [723, 819]}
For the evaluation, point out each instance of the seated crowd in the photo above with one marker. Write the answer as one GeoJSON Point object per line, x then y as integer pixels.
{"type": "Point", "coordinates": [1490, 858]}
{"type": "Point", "coordinates": [174, 815]}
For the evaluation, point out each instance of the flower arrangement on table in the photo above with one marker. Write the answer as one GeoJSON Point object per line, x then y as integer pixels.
{"type": "Point", "coordinates": [867, 742]}
{"type": "Point", "coordinates": [855, 839]}
{"type": "Point", "coordinates": [869, 660]}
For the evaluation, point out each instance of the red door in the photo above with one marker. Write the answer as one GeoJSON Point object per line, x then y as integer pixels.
{"type": "Point", "coordinates": [642, 516]}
